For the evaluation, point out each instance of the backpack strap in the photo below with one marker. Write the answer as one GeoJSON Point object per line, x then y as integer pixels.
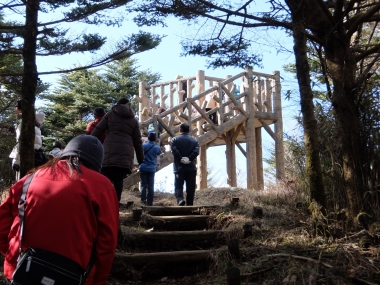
{"type": "Point", "coordinates": [145, 152]}
{"type": "Point", "coordinates": [21, 205]}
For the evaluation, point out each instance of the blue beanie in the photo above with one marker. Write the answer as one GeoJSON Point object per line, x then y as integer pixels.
{"type": "Point", "coordinates": [152, 136]}
{"type": "Point", "coordinates": [88, 149]}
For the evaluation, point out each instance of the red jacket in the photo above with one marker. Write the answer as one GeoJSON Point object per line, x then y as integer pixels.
{"type": "Point", "coordinates": [65, 215]}
{"type": "Point", "coordinates": [91, 126]}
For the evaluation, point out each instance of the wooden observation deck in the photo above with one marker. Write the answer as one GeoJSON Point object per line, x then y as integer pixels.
{"type": "Point", "coordinates": [241, 119]}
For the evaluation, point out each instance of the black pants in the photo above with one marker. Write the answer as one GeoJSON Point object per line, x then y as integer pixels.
{"type": "Point", "coordinates": [212, 116]}
{"type": "Point", "coordinates": [179, 179]}
{"type": "Point", "coordinates": [116, 176]}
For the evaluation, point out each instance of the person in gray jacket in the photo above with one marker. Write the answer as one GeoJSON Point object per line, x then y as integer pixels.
{"type": "Point", "coordinates": [122, 141]}
{"type": "Point", "coordinates": [185, 150]}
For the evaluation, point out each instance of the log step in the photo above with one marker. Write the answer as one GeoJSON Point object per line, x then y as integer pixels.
{"type": "Point", "coordinates": [179, 210]}
{"type": "Point", "coordinates": [188, 223]}
{"type": "Point", "coordinates": [165, 257]}
{"type": "Point", "coordinates": [178, 235]}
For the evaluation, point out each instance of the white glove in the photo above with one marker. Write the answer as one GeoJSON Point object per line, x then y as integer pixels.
{"type": "Point", "coordinates": [185, 160]}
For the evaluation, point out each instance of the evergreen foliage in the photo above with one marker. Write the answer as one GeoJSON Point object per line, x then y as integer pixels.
{"type": "Point", "coordinates": [45, 28]}
{"type": "Point", "coordinates": [70, 106]}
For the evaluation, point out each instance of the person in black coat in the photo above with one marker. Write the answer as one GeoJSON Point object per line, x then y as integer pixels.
{"type": "Point", "coordinates": [185, 150]}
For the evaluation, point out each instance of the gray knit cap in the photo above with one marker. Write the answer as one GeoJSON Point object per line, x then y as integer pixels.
{"type": "Point", "coordinates": [88, 149]}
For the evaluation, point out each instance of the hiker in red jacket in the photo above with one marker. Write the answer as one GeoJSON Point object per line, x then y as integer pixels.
{"type": "Point", "coordinates": [70, 207]}
{"type": "Point", "coordinates": [98, 114]}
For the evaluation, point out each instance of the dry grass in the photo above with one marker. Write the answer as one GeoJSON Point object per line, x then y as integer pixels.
{"type": "Point", "coordinates": [282, 249]}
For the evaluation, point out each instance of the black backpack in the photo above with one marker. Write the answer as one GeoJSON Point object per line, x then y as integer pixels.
{"type": "Point", "coordinates": [39, 157]}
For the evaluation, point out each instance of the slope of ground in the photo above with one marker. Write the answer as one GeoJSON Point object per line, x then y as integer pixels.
{"type": "Point", "coordinates": [280, 250]}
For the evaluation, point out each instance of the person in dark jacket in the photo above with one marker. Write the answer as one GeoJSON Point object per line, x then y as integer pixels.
{"type": "Point", "coordinates": [185, 149]}
{"type": "Point", "coordinates": [148, 169]}
{"type": "Point", "coordinates": [122, 141]}
{"type": "Point", "coordinates": [98, 115]}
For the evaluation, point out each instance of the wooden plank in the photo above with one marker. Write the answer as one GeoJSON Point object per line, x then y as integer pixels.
{"type": "Point", "coordinates": [268, 129]}
{"type": "Point", "coordinates": [178, 235]}
{"type": "Point", "coordinates": [166, 257]}
{"type": "Point", "coordinates": [176, 209]}
{"type": "Point", "coordinates": [187, 223]}
{"type": "Point", "coordinates": [181, 219]}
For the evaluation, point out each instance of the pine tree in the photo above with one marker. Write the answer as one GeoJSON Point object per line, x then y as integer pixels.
{"type": "Point", "coordinates": [70, 106]}
{"type": "Point", "coordinates": [36, 37]}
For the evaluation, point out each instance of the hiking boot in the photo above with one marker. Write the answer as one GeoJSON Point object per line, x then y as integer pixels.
{"type": "Point", "coordinates": [181, 203]}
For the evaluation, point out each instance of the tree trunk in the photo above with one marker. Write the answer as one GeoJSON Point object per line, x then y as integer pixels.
{"type": "Point", "coordinates": [334, 35]}
{"type": "Point", "coordinates": [342, 66]}
{"type": "Point", "coordinates": [28, 87]}
{"type": "Point", "coordinates": [313, 164]}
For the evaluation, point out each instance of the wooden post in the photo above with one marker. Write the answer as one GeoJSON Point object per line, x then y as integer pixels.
{"type": "Point", "coordinates": [259, 159]}
{"type": "Point", "coordinates": [220, 114]}
{"type": "Point", "coordinates": [162, 97]}
{"type": "Point", "coordinates": [250, 132]}
{"type": "Point", "coordinates": [171, 95]}
{"type": "Point", "coordinates": [144, 104]}
{"type": "Point", "coordinates": [235, 201]}
{"type": "Point", "coordinates": [278, 129]}
{"type": "Point", "coordinates": [202, 157]}
{"type": "Point", "coordinates": [233, 248]}
{"type": "Point", "coordinates": [233, 276]}
{"type": "Point", "coordinates": [268, 96]}
{"type": "Point", "coordinates": [257, 212]}
{"type": "Point", "coordinates": [231, 158]}
{"type": "Point", "coordinates": [247, 230]}
{"type": "Point", "coordinates": [136, 213]}
{"type": "Point", "coordinates": [258, 94]}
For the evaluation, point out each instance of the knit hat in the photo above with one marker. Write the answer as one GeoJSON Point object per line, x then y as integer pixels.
{"type": "Point", "coordinates": [152, 136]}
{"type": "Point", "coordinates": [88, 149]}
{"type": "Point", "coordinates": [40, 117]}
{"type": "Point", "coordinates": [55, 152]}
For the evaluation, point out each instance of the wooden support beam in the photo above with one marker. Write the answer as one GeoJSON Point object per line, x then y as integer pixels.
{"type": "Point", "coordinates": [250, 129]}
{"type": "Point", "coordinates": [259, 159]}
{"type": "Point", "coordinates": [241, 149]}
{"type": "Point", "coordinates": [204, 116]}
{"type": "Point", "coordinates": [237, 131]}
{"type": "Point", "coordinates": [268, 129]}
{"type": "Point", "coordinates": [201, 179]}
{"type": "Point", "coordinates": [230, 159]}
{"type": "Point", "coordinates": [171, 121]}
{"type": "Point", "coordinates": [278, 129]}
{"type": "Point", "coordinates": [166, 127]}
{"type": "Point", "coordinates": [232, 98]}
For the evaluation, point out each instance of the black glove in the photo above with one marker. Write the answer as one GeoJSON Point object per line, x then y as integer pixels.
{"type": "Point", "coordinates": [16, 167]}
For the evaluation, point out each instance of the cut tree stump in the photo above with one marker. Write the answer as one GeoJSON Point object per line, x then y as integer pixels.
{"type": "Point", "coordinates": [176, 222]}
{"type": "Point", "coordinates": [233, 276]}
{"type": "Point", "coordinates": [233, 248]}
{"type": "Point", "coordinates": [257, 212]}
{"type": "Point", "coordinates": [165, 257]}
{"type": "Point", "coordinates": [235, 201]}
{"type": "Point", "coordinates": [178, 235]}
{"type": "Point", "coordinates": [136, 213]}
{"type": "Point", "coordinates": [247, 230]}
